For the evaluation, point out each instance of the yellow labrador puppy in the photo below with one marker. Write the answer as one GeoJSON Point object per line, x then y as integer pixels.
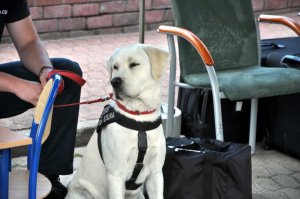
{"type": "Point", "coordinates": [127, 151]}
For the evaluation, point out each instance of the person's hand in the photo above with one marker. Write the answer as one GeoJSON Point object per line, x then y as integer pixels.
{"type": "Point", "coordinates": [43, 75]}
{"type": "Point", "coordinates": [28, 91]}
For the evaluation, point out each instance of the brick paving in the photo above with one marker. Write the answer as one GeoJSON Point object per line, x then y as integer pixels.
{"type": "Point", "coordinates": [275, 175]}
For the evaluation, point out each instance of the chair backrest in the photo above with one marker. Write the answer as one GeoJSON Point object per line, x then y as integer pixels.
{"type": "Point", "coordinates": [40, 129]}
{"type": "Point", "coordinates": [40, 108]}
{"type": "Point", "coordinates": [226, 27]}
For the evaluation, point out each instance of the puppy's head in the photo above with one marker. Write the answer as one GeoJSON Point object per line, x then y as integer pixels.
{"type": "Point", "coordinates": [135, 71]}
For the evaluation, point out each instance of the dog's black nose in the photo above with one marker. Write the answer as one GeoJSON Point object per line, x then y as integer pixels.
{"type": "Point", "coordinates": [116, 82]}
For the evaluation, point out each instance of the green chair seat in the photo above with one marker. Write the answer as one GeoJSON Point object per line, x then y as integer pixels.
{"type": "Point", "coordinates": [251, 82]}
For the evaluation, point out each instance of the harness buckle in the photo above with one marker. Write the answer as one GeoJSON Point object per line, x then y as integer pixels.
{"type": "Point", "coordinates": [138, 166]}
{"type": "Point", "coordinates": [142, 141]}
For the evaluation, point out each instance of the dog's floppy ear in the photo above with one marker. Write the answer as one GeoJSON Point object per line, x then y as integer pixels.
{"type": "Point", "coordinates": [109, 67]}
{"type": "Point", "coordinates": [110, 62]}
{"type": "Point", "coordinates": [159, 60]}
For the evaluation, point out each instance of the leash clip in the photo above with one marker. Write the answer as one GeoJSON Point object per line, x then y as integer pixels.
{"type": "Point", "coordinates": [107, 97]}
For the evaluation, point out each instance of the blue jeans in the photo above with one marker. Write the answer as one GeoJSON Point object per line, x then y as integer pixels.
{"type": "Point", "coordinates": [58, 150]}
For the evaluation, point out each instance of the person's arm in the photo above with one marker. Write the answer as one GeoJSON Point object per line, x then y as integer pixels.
{"type": "Point", "coordinates": [30, 48]}
{"type": "Point", "coordinates": [26, 90]}
{"type": "Point", "coordinates": [33, 55]}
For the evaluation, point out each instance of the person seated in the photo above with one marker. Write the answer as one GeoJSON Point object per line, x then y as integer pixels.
{"type": "Point", "coordinates": [21, 83]}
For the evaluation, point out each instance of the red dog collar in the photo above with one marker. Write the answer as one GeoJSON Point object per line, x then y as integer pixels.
{"type": "Point", "coordinates": [133, 112]}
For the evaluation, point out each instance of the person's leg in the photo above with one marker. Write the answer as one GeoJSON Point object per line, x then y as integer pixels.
{"type": "Point", "coordinates": [58, 150]}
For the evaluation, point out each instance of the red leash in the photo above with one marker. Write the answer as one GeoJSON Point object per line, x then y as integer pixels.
{"type": "Point", "coordinates": [80, 81]}
{"type": "Point", "coordinates": [101, 99]}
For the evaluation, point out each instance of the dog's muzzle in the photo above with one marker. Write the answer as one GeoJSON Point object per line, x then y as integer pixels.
{"type": "Point", "coordinates": [116, 82]}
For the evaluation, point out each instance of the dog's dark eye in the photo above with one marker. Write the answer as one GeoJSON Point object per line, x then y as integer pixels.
{"type": "Point", "coordinates": [115, 67]}
{"type": "Point", "coordinates": [132, 65]}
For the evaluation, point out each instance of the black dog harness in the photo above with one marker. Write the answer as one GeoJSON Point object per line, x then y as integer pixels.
{"type": "Point", "coordinates": [109, 115]}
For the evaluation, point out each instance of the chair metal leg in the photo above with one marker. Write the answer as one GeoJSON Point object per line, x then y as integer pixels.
{"type": "Point", "coordinates": [171, 96]}
{"type": "Point", "coordinates": [217, 103]}
{"type": "Point", "coordinates": [253, 122]}
{"type": "Point", "coordinates": [4, 175]}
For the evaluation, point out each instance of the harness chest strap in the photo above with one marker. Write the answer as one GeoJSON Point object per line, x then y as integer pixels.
{"type": "Point", "coordinates": [109, 115]}
{"type": "Point", "coordinates": [142, 147]}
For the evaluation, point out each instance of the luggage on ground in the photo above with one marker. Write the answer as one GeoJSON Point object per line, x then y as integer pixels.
{"type": "Point", "coordinates": [282, 124]}
{"type": "Point", "coordinates": [273, 50]}
{"type": "Point", "coordinates": [206, 168]}
{"type": "Point", "coordinates": [281, 113]}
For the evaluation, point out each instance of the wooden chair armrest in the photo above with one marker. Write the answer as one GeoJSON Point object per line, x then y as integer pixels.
{"type": "Point", "coordinates": [292, 24]}
{"type": "Point", "coordinates": [192, 38]}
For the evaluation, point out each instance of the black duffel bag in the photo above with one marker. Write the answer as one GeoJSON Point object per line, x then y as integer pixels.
{"type": "Point", "coordinates": [207, 169]}
{"type": "Point", "coordinates": [197, 116]}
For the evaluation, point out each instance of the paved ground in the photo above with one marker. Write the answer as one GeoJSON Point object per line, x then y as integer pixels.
{"type": "Point", "coordinates": [275, 175]}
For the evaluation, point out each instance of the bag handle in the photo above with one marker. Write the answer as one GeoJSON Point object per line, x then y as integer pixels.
{"type": "Point", "coordinates": [200, 145]}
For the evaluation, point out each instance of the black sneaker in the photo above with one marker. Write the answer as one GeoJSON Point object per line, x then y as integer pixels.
{"type": "Point", "coordinates": [58, 190]}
